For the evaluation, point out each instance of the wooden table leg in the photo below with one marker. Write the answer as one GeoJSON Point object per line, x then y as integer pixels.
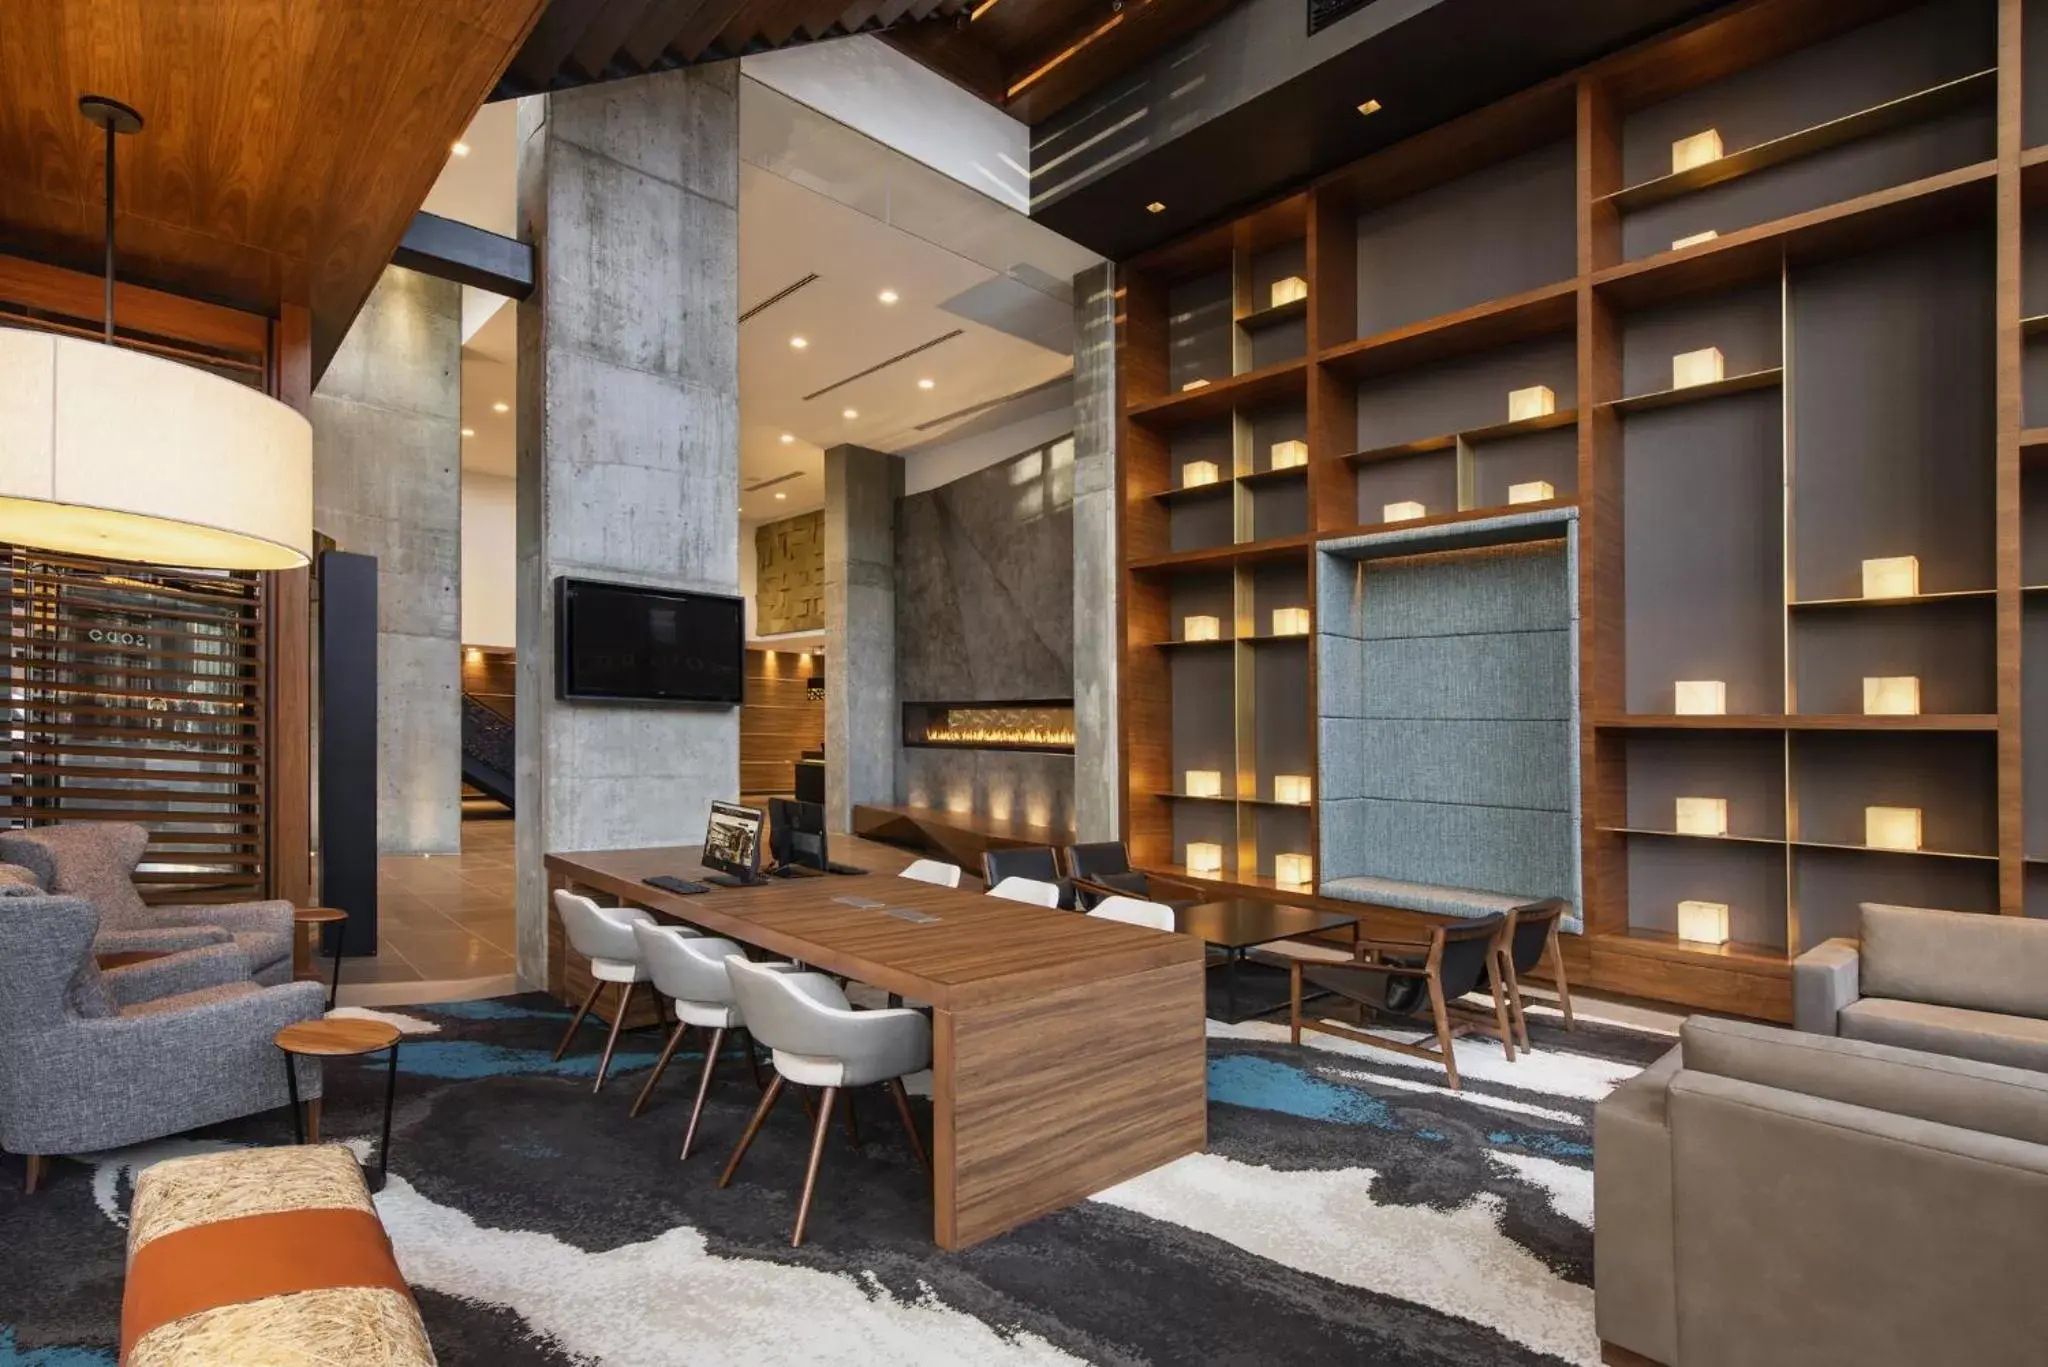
{"type": "Point", "coordinates": [1041, 1102]}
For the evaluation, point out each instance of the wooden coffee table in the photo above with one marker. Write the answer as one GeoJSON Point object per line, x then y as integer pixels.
{"type": "Point", "coordinates": [307, 921]}
{"type": "Point", "coordinates": [342, 1038]}
{"type": "Point", "coordinates": [1238, 924]}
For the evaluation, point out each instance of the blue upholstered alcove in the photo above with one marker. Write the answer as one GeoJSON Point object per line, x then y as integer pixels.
{"type": "Point", "coordinates": [1448, 714]}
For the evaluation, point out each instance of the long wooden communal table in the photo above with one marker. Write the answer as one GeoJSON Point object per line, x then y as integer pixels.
{"type": "Point", "coordinates": [1067, 1053]}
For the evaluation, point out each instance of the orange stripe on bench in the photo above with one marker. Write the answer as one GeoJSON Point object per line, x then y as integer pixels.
{"type": "Point", "coordinates": [250, 1258]}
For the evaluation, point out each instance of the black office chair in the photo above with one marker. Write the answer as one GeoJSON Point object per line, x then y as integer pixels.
{"type": "Point", "coordinates": [1402, 980]}
{"type": "Point", "coordinates": [1530, 938]}
{"type": "Point", "coordinates": [1103, 869]}
{"type": "Point", "coordinates": [1035, 862]}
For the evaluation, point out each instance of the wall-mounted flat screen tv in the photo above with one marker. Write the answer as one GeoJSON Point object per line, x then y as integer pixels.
{"type": "Point", "coordinates": [623, 643]}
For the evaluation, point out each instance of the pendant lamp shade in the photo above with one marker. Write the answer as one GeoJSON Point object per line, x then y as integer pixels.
{"type": "Point", "coordinates": [116, 453]}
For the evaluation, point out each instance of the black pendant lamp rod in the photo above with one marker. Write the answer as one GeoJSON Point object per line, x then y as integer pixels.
{"type": "Point", "coordinates": [115, 118]}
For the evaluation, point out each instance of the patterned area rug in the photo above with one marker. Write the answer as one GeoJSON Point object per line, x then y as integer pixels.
{"type": "Point", "coordinates": [1348, 1210]}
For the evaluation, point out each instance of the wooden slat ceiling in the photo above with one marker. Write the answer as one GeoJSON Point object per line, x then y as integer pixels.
{"type": "Point", "coordinates": [578, 42]}
{"type": "Point", "coordinates": [287, 144]}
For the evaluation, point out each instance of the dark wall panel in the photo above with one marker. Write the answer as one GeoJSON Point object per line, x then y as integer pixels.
{"type": "Point", "coordinates": [1949, 646]}
{"type": "Point", "coordinates": [1747, 770]}
{"type": "Point", "coordinates": [1749, 878]}
{"type": "Point", "coordinates": [1283, 729]}
{"type": "Point", "coordinates": [1827, 885]}
{"type": "Point", "coordinates": [2034, 724]}
{"type": "Point", "coordinates": [1892, 415]}
{"type": "Point", "coordinates": [1430, 479]}
{"type": "Point", "coordinates": [1747, 324]}
{"type": "Point", "coordinates": [1204, 713]}
{"type": "Point", "coordinates": [1952, 779]}
{"type": "Point", "coordinates": [1461, 395]}
{"type": "Point", "coordinates": [1198, 330]}
{"type": "Point", "coordinates": [1552, 456]}
{"type": "Point", "coordinates": [1702, 489]}
{"type": "Point", "coordinates": [1207, 595]}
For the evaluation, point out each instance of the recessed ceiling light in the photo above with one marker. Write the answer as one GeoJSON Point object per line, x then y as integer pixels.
{"type": "Point", "coordinates": [780, 495]}
{"type": "Point", "coordinates": [787, 438]}
{"type": "Point", "coordinates": [924, 384]}
{"type": "Point", "coordinates": [460, 149]}
{"type": "Point", "coordinates": [799, 342]}
{"type": "Point", "coordinates": [469, 431]}
{"type": "Point", "coordinates": [887, 296]}
{"type": "Point", "coordinates": [501, 408]}
{"type": "Point", "coordinates": [1155, 207]}
{"type": "Point", "coordinates": [1369, 107]}
{"type": "Point", "coordinates": [850, 414]}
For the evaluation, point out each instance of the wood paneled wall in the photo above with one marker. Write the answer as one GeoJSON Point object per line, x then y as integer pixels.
{"type": "Point", "coordinates": [780, 719]}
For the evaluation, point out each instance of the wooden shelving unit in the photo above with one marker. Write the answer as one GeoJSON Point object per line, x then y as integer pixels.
{"type": "Point", "coordinates": [1720, 525]}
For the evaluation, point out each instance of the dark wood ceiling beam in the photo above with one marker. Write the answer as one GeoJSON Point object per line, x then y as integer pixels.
{"type": "Point", "coordinates": [744, 31]}
{"type": "Point", "coordinates": [703, 28]}
{"type": "Point", "coordinates": [596, 52]}
{"type": "Point", "coordinates": [955, 53]}
{"type": "Point", "coordinates": [562, 25]}
{"type": "Point", "coordinates": [658, 29]}
{"type": "Point", "coordinates": [1146, 27]}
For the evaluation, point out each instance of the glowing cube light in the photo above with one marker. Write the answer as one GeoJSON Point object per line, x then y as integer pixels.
{"type": "Point", "coordinates": [1895, 696]}
{"type": "Point", "coordinates": [1699, 697]}
{"type": "Point", "coordinates": [1406, 511]}
{"type": "Point", "coordinates": [1290, 621]}
{"type": "Point", "coordinates": [1201, 628]}
{"type": "Point", "coordinates": [1291, 788]}
{"type": "Point", "coordinates": [1702, 816]}
{"type": "Point", "coordinates": [1703, 922]}
{"type": "Point", "coordinates": [1534, 402]}
{"type": "Point", "coordinates": [1534, 491]}
{"type": "Point", "coordinates": [1197, 473]}
{"type": "Point", "coordinates": [1704, 366]}
{"type": "Point", "coordinates": [1287, 289]}
{"type": "Point", "coordinates": [1697, 150]}
{"type": "Point", "coordinates": [1679, 244]}
{"type": "Point", "coordinates": [1294, 870]}
{"type": "Point", "coordinates": [1204, 857]}
{"type": "Point", "coordinates": [1891, 828]}
{"type": "Point", "coordinates": [1288, 454]}
{"type": "Point", "coordinates": [1894, 576]}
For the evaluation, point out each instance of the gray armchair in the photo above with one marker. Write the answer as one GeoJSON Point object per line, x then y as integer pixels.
{"type": "Point", "coordinates": [94, 1060]}
{"type": "Point", "coordinates": [96, 860]}
{"type": "Point", "coordinates": [1968, 984]}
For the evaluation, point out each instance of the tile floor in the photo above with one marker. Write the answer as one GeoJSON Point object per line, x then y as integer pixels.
{"type": "Point", "coordinates": [445, 924]}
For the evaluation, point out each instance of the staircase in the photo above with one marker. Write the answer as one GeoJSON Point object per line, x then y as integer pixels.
{"type": "Point", "coordinates": [487, 751]}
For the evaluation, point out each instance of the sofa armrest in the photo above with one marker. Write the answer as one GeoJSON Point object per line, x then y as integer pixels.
{"type": "Point", "coordinates": [184, 971]}
{"type": "Point", "coordinates": [162, 939]}
{"type": "Point", "coordinates": [1825, 979]}
{"type": "Point", "coordinates": [1635, 1291]}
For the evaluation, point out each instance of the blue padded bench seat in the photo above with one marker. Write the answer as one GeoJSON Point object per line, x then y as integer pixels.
{"type": "Point", "coordinates": [1430, 898]}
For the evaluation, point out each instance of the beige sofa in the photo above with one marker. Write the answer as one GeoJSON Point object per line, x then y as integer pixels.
{"type": "Point", "coordinates": [1770, 1197]}
{"type": "Point", "coordinates": [1949, 982]}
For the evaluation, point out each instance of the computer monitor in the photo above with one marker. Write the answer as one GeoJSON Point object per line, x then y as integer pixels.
{"type": "Point", "coordinates": [796, 834]}
{"type": "Point", "coordinates": [732, 843]}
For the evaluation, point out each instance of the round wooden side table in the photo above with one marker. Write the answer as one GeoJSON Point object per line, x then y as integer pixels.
{"type": "Point", "coordinates": [316, 917]}
{"type": "Point", "coordinates": [345, 1037]}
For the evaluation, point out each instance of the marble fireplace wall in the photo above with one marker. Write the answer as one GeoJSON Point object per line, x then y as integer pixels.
{"type": "Point", "coordinates": [985, 613]}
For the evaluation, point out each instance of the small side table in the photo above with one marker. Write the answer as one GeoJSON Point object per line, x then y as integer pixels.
{"type": "Point", "coordinates": [307, 921]}
{"type": "Point", "coordinates": [343, 1038]}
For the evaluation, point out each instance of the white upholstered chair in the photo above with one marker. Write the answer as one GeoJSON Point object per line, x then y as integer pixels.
{"type": "Point", "coordinates": [689, 969]}
{"type": "Point", "coordinates": [1027, 890]}
{"type": "Point", "coordinates": [932, 871]}
{"type": "Point", "coordinates": [603, 935]}
{"type": "Point", "coordinates": [819, 1040]}
{"type": "Point", "coordinates": [1135, 911]}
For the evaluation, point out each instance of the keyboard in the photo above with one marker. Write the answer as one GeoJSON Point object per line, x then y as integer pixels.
{"type": "Point", "coordinates": [670, 883]}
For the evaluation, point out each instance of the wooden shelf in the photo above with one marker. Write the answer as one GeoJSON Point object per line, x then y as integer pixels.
{"type": "Point", "coordinates": [1450, 519]}
{"type": "Point", "coordinates": [1271, 317]}
{"type": "Point", "coordinates": [2034, 324]}
{"type": "Point", "coordinates": [1878, 118]}
{"type": "Point", "coordinates": [1913, 600]}
{"type": "Point", "coordinates": [1909, 854]}
{"type": "Point", "coordinates": [1687, 835]}
{"type": "Point", "coordinates": [1563, 417]}
{"type": "Point", "coordinates": [1647, 721]}
{"type": "Point", "coordinates": [1253, 389]}
{"type": "Point", "coordinates": [2033, 438]}
{"type": "Point", "coordinates": [1483, 327]}
{"type": "Point", "coordinates": [1220, 557]}
{"type": "Point", "coordinates": [1697, 393]}
{"type": "Point", "coordinates": [1663, 944]}
{"type": "Point", "coordinates": [1194, 645]}
{"type": "Point", "coordinates": [1269, 639]}
{"type": "Point", "coordinates": [1261, 479]}
{"type": "Point", "coordinates": [1303, 807]}
{"type": "Point", "coordinates": [1757, 253]}
{"type": "Point", "coordinates": [1221, 798]}
{"type": "Point", "coordinates": [1192, 494]}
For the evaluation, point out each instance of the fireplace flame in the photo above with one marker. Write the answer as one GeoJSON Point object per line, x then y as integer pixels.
{"type": "Point", "coordinates": [1039, 727]}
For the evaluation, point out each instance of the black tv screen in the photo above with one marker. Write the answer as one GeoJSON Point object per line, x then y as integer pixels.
{"type": "Point", "coordinates": [624, 643]}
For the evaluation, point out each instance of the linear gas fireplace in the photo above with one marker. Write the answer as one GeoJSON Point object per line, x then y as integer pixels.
{"type": "Point", "coordinates": [1044, 726]}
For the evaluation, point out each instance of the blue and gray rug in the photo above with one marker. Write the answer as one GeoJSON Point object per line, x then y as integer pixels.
{"type": "Point", "coordinates": [1348, 1210]}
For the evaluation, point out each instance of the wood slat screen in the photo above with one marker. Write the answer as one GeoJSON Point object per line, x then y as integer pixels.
{"type": "Point", "coordinates": [779, 720]}
{"type": "Point", "coordinates": [135, 693]}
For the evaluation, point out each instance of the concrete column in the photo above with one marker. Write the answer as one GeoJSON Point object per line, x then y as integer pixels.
{"type": "Point", "coordinates": [1098, 785]}
{"type": "Point", "coordinates": [387, 481]}
{"type": "Point", "coordinates": [862, 725]}
{"type": "Point", "coordinates": [628, 464]}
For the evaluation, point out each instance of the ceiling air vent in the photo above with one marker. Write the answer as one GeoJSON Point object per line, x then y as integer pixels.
{"type": "Point", "coordinates": [1323, 13]}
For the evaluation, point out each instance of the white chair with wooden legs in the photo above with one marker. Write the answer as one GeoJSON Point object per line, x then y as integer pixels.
{"type": "Point", "coordinates": [603, 935]}
{"type": "Point", "coordinates": [1135, 911]}
{"type": "Point", "coordinates": [1028, 890]}
{"type": "Point", "coordinates": [819, 1040]}
{"type": "Point", "coordinates": [689, 969]}
{"type": "Point", "coordinates": [932, 871]}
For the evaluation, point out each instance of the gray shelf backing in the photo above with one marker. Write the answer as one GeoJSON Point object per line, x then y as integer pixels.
{"type": "Point", "coordinates": [1747, 324]}
{"type": "Point", "coordinates": [2034, 84]}
{"type": "Point", "coordinates": [1828, 884]}
{"type": "Point", "coordinates": [1749, 878]}
{"type": "Point", "coordinates": [1952, 779]}
{"type": "Point", "coordinates": [1430, 478]}
{"type": "Point", "coordinates": [1893, 414]}
{"type": "Point", "coordinates": [1279, 830]}
{"type": "Point", "coordinates": [1499, 231]}
{"type": "Point", "coordinates": [1868, 66]}
{"type": "Point", "coordinates": [2034, 525]}
{"type": "Point", "coordinates": [1207, 593]}
{"type": "Point", "coordinates": [1276, 586]}
{"type": "Point", "coordinates": [1950, 646]}
{"type": "Point", "coordinates": [1211, 821]}
{"type": "Point", "coordinates": [1702, 492]}
{"type": "Point", "coordinates": [1464, 394]}
{"type": "Point", "coordinates": [1746, 769]}
{"type": "Point", "coordinates": [1204, 714]}
{"type": "Point", "coordinates": [1552, 456]}
{"type": "Point", "coordinates": [1199, 330]}
{"type": "Point", "coordinates": [1278, 508]}
{"type": "Point", "coordinates": [2034, 723]}
{"type": "Point", "coordinates": [1274, 423]}
{"type": "Point", "coordinates": [1283, 726]}
{"type": "Point", "coordinates": [2037, 890]}
{"type": "Point", "coordinates": [1206, 520]}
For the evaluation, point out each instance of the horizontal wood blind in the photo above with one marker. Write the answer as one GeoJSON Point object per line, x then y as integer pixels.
{"type": "Point", "coordinates": [780, 719]}
{"type": "Point", "coordinates": [137, 694]}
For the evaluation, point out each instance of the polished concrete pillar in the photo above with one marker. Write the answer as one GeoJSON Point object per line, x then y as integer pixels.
{"type": "Point", "coordinates": [628, 453]}
{"type": "Point", "coordinates": [863, 728]}
{"type": "Point", "coordinates": [387, 482]}
{"type": "Point", "coordinates": [1097, 785]}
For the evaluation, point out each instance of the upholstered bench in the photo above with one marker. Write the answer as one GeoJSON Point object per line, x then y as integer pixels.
{"type": "Point", "coordinates": [1460, 903]}
{"type": "Point", "coordinates": [264, 1256]}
